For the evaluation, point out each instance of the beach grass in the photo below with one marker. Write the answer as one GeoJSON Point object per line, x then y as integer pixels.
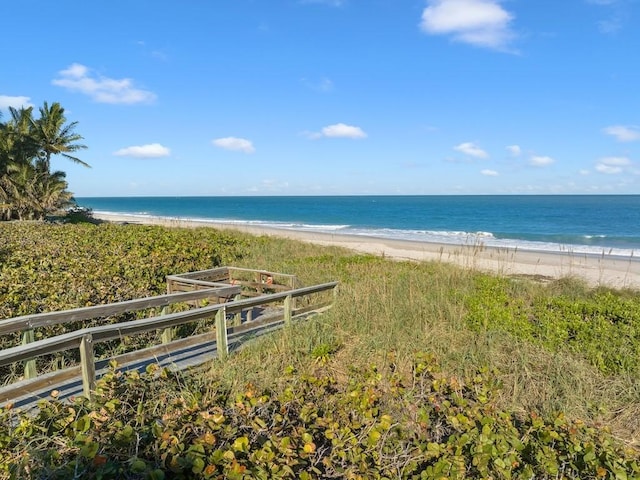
{"type": "Point", "coordinates": [390, 307]}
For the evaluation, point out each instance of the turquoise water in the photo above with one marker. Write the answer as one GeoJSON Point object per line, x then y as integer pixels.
{"type": "Point", "coordinates": [594, 224]}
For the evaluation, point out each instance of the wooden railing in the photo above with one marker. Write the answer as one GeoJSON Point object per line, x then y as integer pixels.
{"type": "Point", "coordinates": [26, 324]}
{"type": "Point", "coordinates": [85, 338]}
{"type": "Point", "coordinates": [254, 281]}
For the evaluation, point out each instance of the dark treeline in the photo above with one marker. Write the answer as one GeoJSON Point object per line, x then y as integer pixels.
{"type": "Point", "coordinates": [29, 190]}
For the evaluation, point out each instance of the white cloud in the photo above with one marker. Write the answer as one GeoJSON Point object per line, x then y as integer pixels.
{"type": "Point", "coordinates": [16, 102]}
{"type": "Point", "coordinates": [235, 144]}
{"type": "Point", "coordinates": [514, 150]}
{"type": "Point", "coordinates": [584, 172]}
{"type": "Point", "coordinates": [152, 150]}
{"type": "Point", "coordinates": [608, 169]}
{"type": "Point", "coordinates": [612, 165]}
{"type": "Point", "coordinates": [489, 173]}
{"type": "Point", "coordinates": [471, 149]}
{"type": "Point", "coordinates": [482, 23]}
{"type": "Point", "coordinates": [338, 130]}
{"type": "Point", "coordinates": [623, 133]}
{"type": "Point", "coordinates": [540, 161]}
{"type": "Point", "coordinates": [79, 78]}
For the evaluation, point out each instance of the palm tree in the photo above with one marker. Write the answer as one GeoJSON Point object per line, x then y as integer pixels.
{"type": "Point", "coordinates": [28, 189]}
{"type": "Point", "coordinates": [17, 150]}
{"type": "Point", "coordinates": [16, 140]}
{"type": "Point", "coordinates": [5, 198]}
{"type": "Point", "coordinates": [20, 184]}
{"type": "Point", "coordinates": [52, 194]}
{"type": "Point", "coordinates": [53, 137]}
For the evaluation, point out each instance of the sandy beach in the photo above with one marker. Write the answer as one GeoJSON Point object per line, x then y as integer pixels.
{"type": "Point", "coordinates": [597, 270]}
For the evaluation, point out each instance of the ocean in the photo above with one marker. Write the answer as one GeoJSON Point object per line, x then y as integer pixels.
{"type": "Point", "coordinates": [591, 224]}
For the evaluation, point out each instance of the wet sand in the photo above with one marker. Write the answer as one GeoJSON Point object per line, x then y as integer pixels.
{"type": "Point", "coordinates": [604, 270]}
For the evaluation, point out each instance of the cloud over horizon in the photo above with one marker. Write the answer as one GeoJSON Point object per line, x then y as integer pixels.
{"type": "Point", "coordinates": [612, 165]}
{"type": "Point", "coordinates": [489, 173]}
{"type": "Point", "coordinates": [151, 150]}
{"type": "Point", "coordinates": [623, 133]}
{"type": "Point", "coordinates": [471, 149]}
{"type": "Point", "coordinates": [234, 144]}
{"type": "Point", "coordinates": [541, 161]}
{"type": "Point", "coordinates": [338, 130]}
{"type": "Point", "coordinates": [79, 78]}
{"type": "Point", "coordinates": [483, 23]}
{"type": "Point", "coordinates": [514, 150]}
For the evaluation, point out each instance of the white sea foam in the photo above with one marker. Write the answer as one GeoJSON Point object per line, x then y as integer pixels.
{"type": "Point", "coordinates": [480, 238]}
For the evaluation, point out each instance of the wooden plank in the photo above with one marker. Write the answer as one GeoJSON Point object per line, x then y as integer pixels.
{"type": "Point", "coordinates": [264, 272]}
{"type": "Point", "coordinates": [45, 346]}
{"type": "Point", "coordinates": [274, 297]}
{"type": "Point", "coordinates": [222, 272]}
{"type": "Point", "coordinates": [162, 350]}
{"type": "Point", "coordinates": [192, 281]}
{"type": "Point", "coordinates": [311, 308]}
{"type": "Point", "coordinates": [259, 286]}
{"type": "Point", "coordinates": [65, 316]}
{"type": "Point", "coordinates": [43, 384]}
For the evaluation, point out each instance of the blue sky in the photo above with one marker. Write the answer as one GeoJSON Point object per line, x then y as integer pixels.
{"type": "Point", "coordinates": [328, 97]}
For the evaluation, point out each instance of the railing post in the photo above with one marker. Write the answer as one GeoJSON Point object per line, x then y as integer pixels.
{"type": "Point", "coordinates": [88, 365]}
{"type": "Point", "coordinates": [29, 365]}
{"type": "Point", "coordinates": [167, 333]}
{"type": "Point", "coordinates": [287, 309]}
{"type": "Point", "coordinates": [259, 282]}
{"type": "Point", "coordinates": [293, 287]}
{"type": "Point", "coordinates": [237, 319]}
{"type": "Point", "coordinates": [221, 333]}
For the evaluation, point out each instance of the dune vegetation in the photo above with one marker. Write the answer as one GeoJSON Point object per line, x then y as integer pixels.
{"type": "Point", "coordinates": [420, 370]}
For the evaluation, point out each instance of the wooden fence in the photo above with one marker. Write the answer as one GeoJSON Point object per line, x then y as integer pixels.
{"type": "Point", "coordinates": [232, 319]}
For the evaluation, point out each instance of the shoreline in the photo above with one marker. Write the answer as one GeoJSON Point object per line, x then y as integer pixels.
{"type": "Point", "coordinates": [596, 270]}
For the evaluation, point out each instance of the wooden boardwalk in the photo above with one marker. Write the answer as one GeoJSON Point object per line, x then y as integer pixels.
{"type": "Point", "coordinates": [248, 303]}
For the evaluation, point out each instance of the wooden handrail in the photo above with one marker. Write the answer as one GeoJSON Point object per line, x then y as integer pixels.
{"type": "Point", "coordinates": [46, 346]}
{"type": "Point", "coordinates": [200, 273]}
{"type": "Point", "coordinates": [264, 272]}
{"type": "Point", "coordinates": [28, 322]}
{"type": "Point", "coordinates": [194, 281]}
{"type": "Point", "coordinates": [105, 333]}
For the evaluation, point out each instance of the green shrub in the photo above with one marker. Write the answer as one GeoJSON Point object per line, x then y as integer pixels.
{"type": "Point", "coordinates": [378, 424]}
{"type": "Point", "coordinates": [602, 326]}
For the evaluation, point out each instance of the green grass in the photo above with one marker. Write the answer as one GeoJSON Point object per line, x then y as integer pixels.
{"type": "Point", "coordinates": [405, 307]}
{"type": "Point", "coordinates": [544, 349]}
